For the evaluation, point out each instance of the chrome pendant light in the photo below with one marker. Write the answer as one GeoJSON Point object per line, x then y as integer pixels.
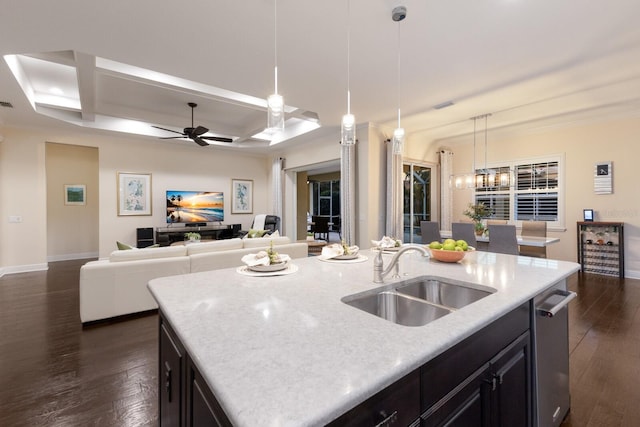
{"type": "Point", "coordinates": [348, 128]}
{"type": "Point", "coordinates": [398, 14]}
{"type": "Point", "coordinates": [275, 102]}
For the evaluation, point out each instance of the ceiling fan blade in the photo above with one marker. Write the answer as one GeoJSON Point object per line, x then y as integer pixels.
{"type": "Point", "coordinates": [172, 137]}
{"type": "Point", "coordinates": [168, 130]}
{"type": "Point", "coordinates": [199, 141]}
{"type": "Point", "coordinates": [217, 138]}
{"type": "Point", "coordinates": [200, 130]}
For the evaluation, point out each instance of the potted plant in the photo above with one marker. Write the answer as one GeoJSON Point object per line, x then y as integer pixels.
{"type": "Point", "coordinates": [477, 212]}
{"type": "Point", "coordinates": [192, 237]}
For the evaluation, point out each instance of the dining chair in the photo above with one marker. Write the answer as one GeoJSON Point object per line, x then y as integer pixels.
{"type": "Point", "coordinates": [464, 231]}
{"type": "Point", "coordinates": [502, 239]}
{"type": "Point", "coordinates": [320, 227]}
{"type": "Point", "coordinates": [430, 232]}
{"type": "Point", "coordinates": [534, 229]}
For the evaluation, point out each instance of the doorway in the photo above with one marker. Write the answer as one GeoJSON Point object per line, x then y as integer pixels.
{"type": "Point", "coordinates": [418, 204]}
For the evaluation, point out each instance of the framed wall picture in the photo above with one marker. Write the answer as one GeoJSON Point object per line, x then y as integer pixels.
{"type": "Point", "coordinates": [603, 178]}
{"type": "Point", "coordinates": [241, 196]}
{"type": "Point", "coordinates": [75, 194]}
{"type": "Point", "coordinates": [134, 194]}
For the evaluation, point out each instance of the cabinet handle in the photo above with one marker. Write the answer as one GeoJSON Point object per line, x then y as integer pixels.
{"type": "Point", "coordinates": [167, 380]}
{"type": "Point", "coordinates": [389, 420]}
{"type": "Point", "coordinates": [492, 381]}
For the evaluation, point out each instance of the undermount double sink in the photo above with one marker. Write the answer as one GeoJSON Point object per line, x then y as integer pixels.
{"type": "Point", "coordinates": [418, 301]}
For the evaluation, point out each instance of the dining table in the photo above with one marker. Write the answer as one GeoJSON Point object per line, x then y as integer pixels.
{"type": "Point", "coordinates": [522, 240]}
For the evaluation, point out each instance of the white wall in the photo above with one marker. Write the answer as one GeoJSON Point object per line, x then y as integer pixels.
{"type": "Point", "coordinates": [23, 194]}
{"type": "Point", "coordinates": [23, 246]}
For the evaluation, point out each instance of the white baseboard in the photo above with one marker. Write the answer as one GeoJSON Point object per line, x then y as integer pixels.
{"type": "Point", "coordinates": [69, 257]}
{"type": "Point", "coordinates": [631, 274]}
{"type": "Point", "coordinates": [23, 268]}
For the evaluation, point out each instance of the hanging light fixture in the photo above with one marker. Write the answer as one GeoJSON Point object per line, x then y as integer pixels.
{"type": "Point", "coordinates": [348, 128]}
{"type": "Point", "coordinates": [484, 178]}
{"type": "Point", "coordinates": [275, 102]}
{"type": "Point", "coordinates": [398, 14]}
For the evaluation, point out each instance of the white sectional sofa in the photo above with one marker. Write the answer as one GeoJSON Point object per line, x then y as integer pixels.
{"type": "Point", "coordinates": [118, 285]}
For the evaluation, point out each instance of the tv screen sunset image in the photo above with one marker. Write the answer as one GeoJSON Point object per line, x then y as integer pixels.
{"type": "Point", "coordinates": [194, 206]}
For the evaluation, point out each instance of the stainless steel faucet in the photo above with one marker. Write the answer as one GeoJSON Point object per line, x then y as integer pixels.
{"type": "Point", "coordinates": [379, 272]}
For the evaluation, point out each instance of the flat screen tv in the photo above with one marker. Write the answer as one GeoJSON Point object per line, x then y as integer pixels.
{"type": "Point", "coordinates": [194, 206]}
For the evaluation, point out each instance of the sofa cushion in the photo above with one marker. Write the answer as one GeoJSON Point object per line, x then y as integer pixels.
{"type": "Point", "coordinates": [123, 246]}
{"type": "Point", "coordinates": [148, 253]}
{"type": "Point", "coordinates": [265, 242]}
{"type": "Point", "coordinates": [214, 246]}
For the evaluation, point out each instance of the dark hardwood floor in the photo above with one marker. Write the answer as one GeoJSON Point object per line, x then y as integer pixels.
{"type": "Point", "coordinates": [55, 373]}
{"type": "Point", "coordinates": [604, 344]}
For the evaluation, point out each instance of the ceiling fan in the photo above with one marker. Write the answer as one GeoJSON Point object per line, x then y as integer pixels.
{"type": "Point", "coordinates": [194, 133]}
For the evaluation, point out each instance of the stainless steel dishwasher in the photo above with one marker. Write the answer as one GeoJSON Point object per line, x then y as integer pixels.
{"type": "Point", "coordinates": [551, 355]}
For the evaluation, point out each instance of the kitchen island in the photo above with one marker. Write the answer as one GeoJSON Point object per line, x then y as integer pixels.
{"type": "Point", "coordinates": [285, 350]}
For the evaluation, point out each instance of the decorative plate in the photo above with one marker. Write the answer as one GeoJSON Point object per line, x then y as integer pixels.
{"type": "Point", "coordinates": [268, 268]}
{"type": "Point", "coordinates": [349, 256]}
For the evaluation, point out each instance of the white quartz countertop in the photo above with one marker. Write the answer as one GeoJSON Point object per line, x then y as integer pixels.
{"type": "Point", "coordinates": [286, 351]}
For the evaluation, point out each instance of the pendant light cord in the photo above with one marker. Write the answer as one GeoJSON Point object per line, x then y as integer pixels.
{"type": "Point", "coordinates": [398, 75]}
{"type": "Point", "coordinates": [275, 43]}
{"type": "Point", "coordinates": [348, 57]}
{"type": "Point", "coordinates": [485, 142]}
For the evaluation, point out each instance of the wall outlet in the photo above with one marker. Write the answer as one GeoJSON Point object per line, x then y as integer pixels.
{"type": "Point", "coordinates": [15, 218]}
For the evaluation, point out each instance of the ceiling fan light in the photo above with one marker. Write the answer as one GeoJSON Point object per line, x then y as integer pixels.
{"type": "Point", "coordinates": [275, 113]}
{"type": "Point", "coordinates": [348, 129]}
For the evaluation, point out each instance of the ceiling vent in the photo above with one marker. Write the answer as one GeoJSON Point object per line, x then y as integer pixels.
{"type": "Point", "coordinates": [6, 104]}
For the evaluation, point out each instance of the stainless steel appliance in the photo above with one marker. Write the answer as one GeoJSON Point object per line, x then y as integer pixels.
{"type": "Point", "coordinates": [551, 355]}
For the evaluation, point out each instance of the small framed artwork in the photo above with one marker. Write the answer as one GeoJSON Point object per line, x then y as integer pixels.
{"type": "Point", "coordinates": [241, 196]}
{"type": "Point", "coordinates": [75, 194]}
{"type": "Point", "coordinates": [588, 214]}
{"type": "Point", "coordinates": [134, 194]}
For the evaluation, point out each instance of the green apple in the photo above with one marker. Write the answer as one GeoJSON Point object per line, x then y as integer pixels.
{"type": "Point", "coordinates": [462, 244]}
{"type": "Point", "coordinates": [449, 241]}
{"type": "Point", "coordinates": [449, 246]}
{"type": "Point", "coordinates": [435, 245]}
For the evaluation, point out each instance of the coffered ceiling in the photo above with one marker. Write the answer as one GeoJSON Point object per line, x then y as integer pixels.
{"type": "Point", "coordinates": [123, 66]}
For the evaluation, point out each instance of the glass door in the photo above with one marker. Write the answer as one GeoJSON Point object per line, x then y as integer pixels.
{"type": "Point", "coordinates": [417, 199]}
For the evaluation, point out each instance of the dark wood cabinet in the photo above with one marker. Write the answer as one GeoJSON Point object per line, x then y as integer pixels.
{"type": "Point", "coordinates": [203, 410]}
{"type": "Point", "coordinates": [601, 247]}
{"type": "Point", "coordinates": [483, 381]}
{"type": "Point", "coordinates": [170, 378]}
{"type": "Point", "coordinates": [398, 404]}
{"type": "Point", "coordinates": [185, 398]}
{"type": "Point", "coordinates": [510, 385]}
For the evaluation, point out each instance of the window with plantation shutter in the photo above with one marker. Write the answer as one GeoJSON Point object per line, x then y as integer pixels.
{"type": "Point", "coordinates": [533, 191]}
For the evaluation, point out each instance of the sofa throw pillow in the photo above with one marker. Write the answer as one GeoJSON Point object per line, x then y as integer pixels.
{"type": "Point", "coordinates": [123, 246]}
{"type": "Point", "coordinates": [255, 233]}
